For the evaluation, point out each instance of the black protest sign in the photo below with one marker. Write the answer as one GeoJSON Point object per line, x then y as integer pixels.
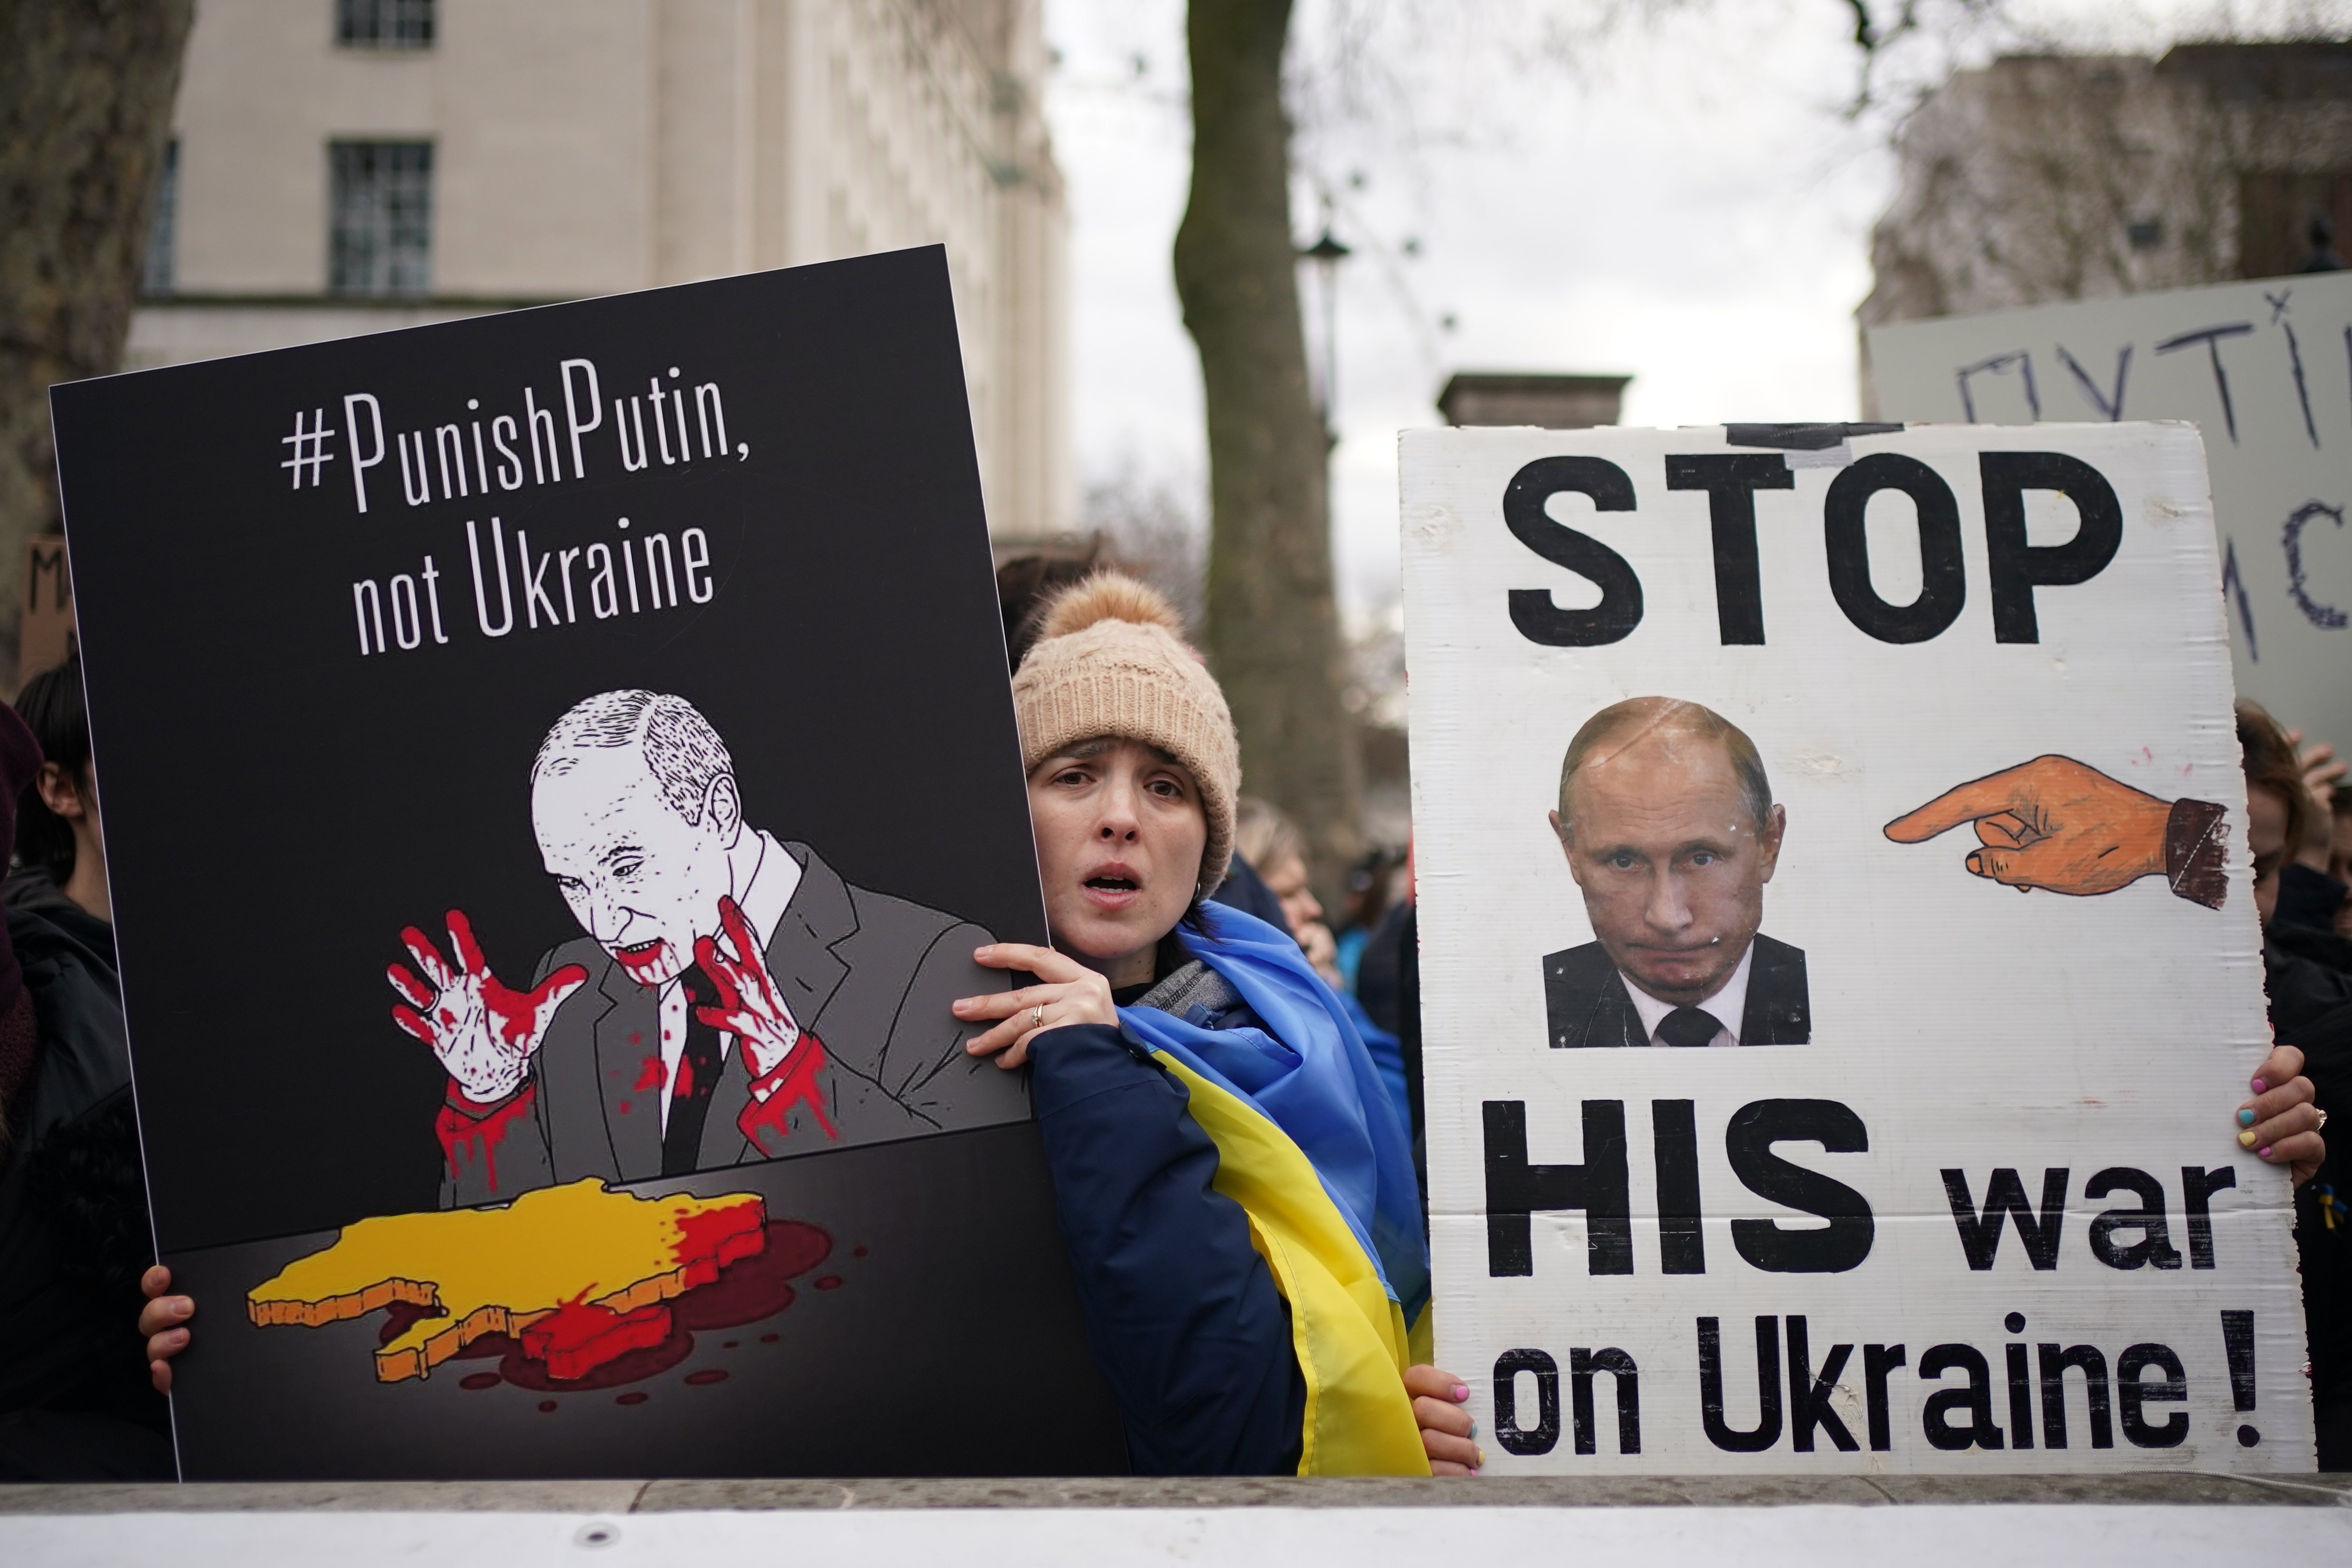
{"type": "Point", "coordinates": [558, 766]}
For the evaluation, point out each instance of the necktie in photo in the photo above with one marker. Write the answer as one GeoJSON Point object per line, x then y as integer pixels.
{"type": "Point", "coordinates": [1682, 1027]}
{"type": "Point", "coordinates": [698, 1075]}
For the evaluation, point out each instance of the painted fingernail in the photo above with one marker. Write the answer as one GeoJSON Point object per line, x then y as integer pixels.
{"type": "Point", "coordinates": [1461, 1393]}
{"type": "Point", "coordinates": [2260, 1086]}
{"type": "Point", "coordinates": [2264, 1150]}
{"type": "Point", "coordinates": [2246, 1140]}
{"type": "Point", "coordinates": [1474, 1428]}
{"type": "Point", "coordinates": [1482, 1460]}
{"type": "Point", "coordinates": [2245, 1119]}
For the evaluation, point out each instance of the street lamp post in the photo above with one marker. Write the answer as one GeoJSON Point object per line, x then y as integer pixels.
{"type": "Point", "coordinates": [1326, 253]}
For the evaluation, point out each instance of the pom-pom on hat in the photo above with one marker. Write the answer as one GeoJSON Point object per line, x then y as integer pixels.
{"type": "Point", "coordinates": [1110, 660]}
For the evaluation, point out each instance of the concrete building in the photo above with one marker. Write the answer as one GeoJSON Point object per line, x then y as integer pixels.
{"type": "Point", "coordinates": [2043, 178]}
{"type": "Point", "coordinates": [344, 166]}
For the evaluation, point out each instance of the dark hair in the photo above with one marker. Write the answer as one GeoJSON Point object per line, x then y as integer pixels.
{"type": "Point", "coordinates": [1026, 585]}
{"type": "Point", "coordinates": [51, 707]}
{"type": "Point", "coordinates": [2270, 762]}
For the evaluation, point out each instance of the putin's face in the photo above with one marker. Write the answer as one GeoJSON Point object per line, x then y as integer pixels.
{"type": "Point", "coordinates": [1673, 864]}
{"type": "Point", "coordinates": [640, 879]}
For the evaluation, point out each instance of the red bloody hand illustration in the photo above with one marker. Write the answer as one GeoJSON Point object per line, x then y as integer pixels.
{"type": "Point", "coordinates": [750, 1006]}
{"type": "Point", "coordinates": [483, 1029]}
{"type": "Point", "coordinates": [2052, 823]}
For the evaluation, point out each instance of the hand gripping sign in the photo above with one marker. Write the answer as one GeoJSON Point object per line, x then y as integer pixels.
{"type": "Point", "coordinates": [1954, 1187]}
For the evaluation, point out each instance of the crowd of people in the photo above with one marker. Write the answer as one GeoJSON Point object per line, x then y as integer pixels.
{"type": "Point", "coordinates": [1228, 1090]}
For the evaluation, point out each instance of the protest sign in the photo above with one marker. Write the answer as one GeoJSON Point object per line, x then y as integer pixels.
{"type": "Point", "coordinates": [558, 767]}
{"type": "Point", "coordinates": [2264, 370]}
{"type": "Point", "coordinates": [1966, 1198]}
{"type": "Point", "coordinates": [45, 625]}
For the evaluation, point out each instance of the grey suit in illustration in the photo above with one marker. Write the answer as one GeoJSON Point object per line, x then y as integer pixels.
{"type": "Point", "coordinates": [868, 975]}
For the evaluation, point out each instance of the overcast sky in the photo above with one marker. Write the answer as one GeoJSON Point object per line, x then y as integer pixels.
{"type": "Point", "coordinates": [1683, 204]}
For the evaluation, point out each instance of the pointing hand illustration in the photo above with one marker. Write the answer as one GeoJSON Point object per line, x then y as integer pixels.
{"type": "Point", "coordinates": [2065, 827]}
{"type": "Point", "coordinates": [483, 1029]}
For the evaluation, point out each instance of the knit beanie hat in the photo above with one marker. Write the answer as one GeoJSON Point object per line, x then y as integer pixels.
{"type": "Point", "coordinates": [1109, 661]}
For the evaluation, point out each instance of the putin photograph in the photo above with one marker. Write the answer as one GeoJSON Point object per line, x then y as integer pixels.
{"type": "Point", "coordinates": [1671, 832]}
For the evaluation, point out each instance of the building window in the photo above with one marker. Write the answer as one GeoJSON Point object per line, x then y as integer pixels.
{"type": "Point", "coordinates": [382, 241]}
{"type": "Point", "coordinates": [384, 24]}
{"type": "Point", "coordinates": [156, 274]}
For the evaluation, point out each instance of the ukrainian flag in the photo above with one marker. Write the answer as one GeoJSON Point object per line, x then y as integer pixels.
{"type": "Point", "coordinates": [1309, 1145]}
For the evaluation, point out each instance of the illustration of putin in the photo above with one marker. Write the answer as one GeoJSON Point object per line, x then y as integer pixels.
{"type": "Point", "coordinates": [1669, 830]}
{"type": "Point", "coordinates": [734, 999]}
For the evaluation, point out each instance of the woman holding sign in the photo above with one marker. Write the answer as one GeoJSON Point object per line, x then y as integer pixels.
{"type": "Point", "coordinates": [1236, 1190]}
{"type": "Point", "coordinates": [1238, 1193]}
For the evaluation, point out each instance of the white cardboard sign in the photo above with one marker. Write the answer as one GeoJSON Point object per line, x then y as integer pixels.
{"type": "Point", "coordinates": [2265, 370]}
{"type": "Point", "coordinates": [1967, 1189]}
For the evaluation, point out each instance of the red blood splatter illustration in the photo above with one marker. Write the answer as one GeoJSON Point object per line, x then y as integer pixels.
{"type": "Point", "coordinates": [623, 1106]}
{"type": "Point", "coordinates": [858, 1251]}
{"type": "Point", "coordinates": [749, 1286]}
{"type": "Point", "coordinates": [546, 1406]}
{"type": "Point", "coordinates": [730, 1344]}
{"type": "Point", "coordinates": [710, 1240]}
{"type": "Point", "coordinates": [758, 1286]}
{"type": "Point", "coordinates": [792, 1083]}
{"type": "Point", "coordinates": [644, 962]}
{"type": "Point", "coordinates": [466, 1138]}
{"type": "Point", "coordinates": [580, 1336]}
{"type": "Point", "coordinates": [707, 1376]}
{"type": "Point", "coordinates": [652, 1073]}
{"type": "Point", "coordinates": [516, 1367]}
{"type": "Point", "coordinates": [636, 1398]}
{"type": "Point", "coordinates": [828, 1281]}
{"type": "Point", "coordinates": [683, 1089]}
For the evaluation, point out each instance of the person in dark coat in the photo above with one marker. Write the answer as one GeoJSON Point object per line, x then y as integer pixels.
{"type": "Point", "coordinates": [2308, 973]}
{"type": "Point", "coordinates": [75, 1403]}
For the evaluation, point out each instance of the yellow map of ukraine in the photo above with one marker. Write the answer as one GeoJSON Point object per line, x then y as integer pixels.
{"type": "Point", "coordinates": [577, 1273]}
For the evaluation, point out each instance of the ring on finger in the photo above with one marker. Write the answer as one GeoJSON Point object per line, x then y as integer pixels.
{"type": "Point", "coordinates": [1036, 1014]}
{"type": "Point", "coordinates": [2323, 1120]}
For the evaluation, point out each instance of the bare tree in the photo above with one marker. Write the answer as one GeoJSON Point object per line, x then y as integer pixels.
{"type": "Point", "coordinates": [1273, 626]}
{"type": "Point", "coordinates": [1151, 524]}
{"type": "Point", "coordinates": [86, 92]}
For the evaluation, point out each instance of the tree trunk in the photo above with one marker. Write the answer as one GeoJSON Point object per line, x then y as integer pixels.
{"type": "Point", "coordinates": [1273, 629]}
{"type": "Point", "coordinates": [86, 92]}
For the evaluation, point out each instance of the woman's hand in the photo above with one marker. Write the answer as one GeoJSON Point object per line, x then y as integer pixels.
{"type": "Point", "coordinates": [1447, 1433]}
{"type": "Point", "coordinates": [2280, 1124]}
{"type": "Point", "coordinates": [159, 1320]}
{"type": "Point", "coordinates": [1068, 992]}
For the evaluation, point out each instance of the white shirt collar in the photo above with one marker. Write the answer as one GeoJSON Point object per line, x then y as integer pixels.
{"type": "Point", "coordinates": [1726, 1006]}
{"type": "Point", "coordinates": [775, 881]}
